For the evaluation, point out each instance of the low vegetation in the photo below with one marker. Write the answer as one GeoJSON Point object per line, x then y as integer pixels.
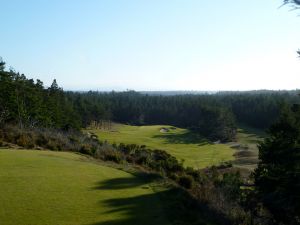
{"type": "Point", "coordinates": [51, 139]}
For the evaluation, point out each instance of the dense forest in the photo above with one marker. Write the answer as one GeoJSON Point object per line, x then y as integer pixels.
{"type": "Point", "coordinates": [29, 103]}
{"type": "Point", "coordinates": [254, 108]}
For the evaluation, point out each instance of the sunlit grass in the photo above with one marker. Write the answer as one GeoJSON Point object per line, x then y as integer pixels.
{"type": "Point", "coordinates": [181, 143]}
{"type": "Point", "coordinates": [48, 188]}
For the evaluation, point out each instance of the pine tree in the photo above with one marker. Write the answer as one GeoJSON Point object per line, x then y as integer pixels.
{"type": "Point", "coordinates": [277, 177]}
{"type": "Point", "coordinates": [2, 64]}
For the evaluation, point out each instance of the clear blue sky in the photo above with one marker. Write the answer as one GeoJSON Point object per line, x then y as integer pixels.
{"type": "Point", "coordinates": [153, 44]}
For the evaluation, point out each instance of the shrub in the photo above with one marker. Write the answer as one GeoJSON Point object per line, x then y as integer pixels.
{"type": "Point", "coordinates": [230, 184]}
{"type": "Point", "coordinates": [113, 156]}
{"type": "Point", "coordinates": [174, 176]}
{"type": "Point", "coordinates": [86, 149]}
{"type": "Point", "coordinates": [25, 140]}
{"type": "Point", "coordinates": [129, 158]}
{"type": "Point", "coordinates": [143, 157]}
{"type": "Point", "coordinates": [196, 174]}
{"type": "Point", "coordinates": [162, 160]}
{"type": "Point", "coordinates": [108, 153]}
{"type": "Point", "coordinates": [51, 145]}
{"type": "Point", "coordinates": [186, 181]}
{"type": "Point", "coordinates": [41, 140]}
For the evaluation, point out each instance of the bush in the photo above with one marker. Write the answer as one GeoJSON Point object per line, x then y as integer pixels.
{"type": "Point", "coordinates": [198, 175]}
{"type": "Point", "coordinates": [25, 140]}
{"type": "Point", "coordinates": [108, 153]}
{"type": "Point", "coordinates": [162, 160]}
{"type": "Point", "coordinates": [174, 176]}
{"type": "Point", "coordinates": [51, 139]}
{"type": "Point", "coordinates": [41, 140]}
{"type": "Point", "coordinates": [230, 184]}
{"type": "Point", "coordinates": [51, 145]}
{"type": "Point", "coordinates": [86, 149]}
{"type": "Point", "coordinates": [113, 156]}
{"type": "Point", "coordinates": [186, 181]}
{"type": "Point", "coordinates": [129, 159]}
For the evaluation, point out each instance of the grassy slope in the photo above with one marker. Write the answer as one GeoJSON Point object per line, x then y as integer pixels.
{"type": "Point", "coordinates": [46, 188]}
{"type": "Point", "coordinates": [178, 142]}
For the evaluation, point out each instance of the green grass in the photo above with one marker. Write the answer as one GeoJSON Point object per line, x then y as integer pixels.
{"type": "Point", "coordinates": [181, 143]}
{"type": "Point", "coordinates": [49, 188]}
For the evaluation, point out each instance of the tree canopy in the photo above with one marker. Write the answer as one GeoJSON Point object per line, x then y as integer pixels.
{"type": "Point", "coordinates": [29, 103]}
{"type": "Point", "coordinates": [292, 2]}
{"type": "Point", "coordinates": [277, 177]}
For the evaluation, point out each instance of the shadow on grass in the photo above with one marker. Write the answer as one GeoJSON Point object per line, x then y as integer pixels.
{"type": "Point", "coordinates": [118, 183]}
{"type": "Point", "coordinates": [164, 206]}
{"type": "Point", "coordinates": [183, 138]}
{"type": "Point", "coordinates": [140, 179]}
{"type": "Point", "coordinates": [252, 132]}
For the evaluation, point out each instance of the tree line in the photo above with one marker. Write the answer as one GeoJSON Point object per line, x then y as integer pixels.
{"type": "Point", "coordinates": [28, 103]}
{"type": "Point", "coordinates": [213, 115]}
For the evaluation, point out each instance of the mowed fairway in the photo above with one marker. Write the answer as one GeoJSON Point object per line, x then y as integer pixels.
{"type": "Point", "coordinates": [181, 143]}
{"type": "Point", "coordinates": [60, 188]}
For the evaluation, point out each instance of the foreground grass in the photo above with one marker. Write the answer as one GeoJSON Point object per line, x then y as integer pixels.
{"type": "Point", "coordinates": [46, 188]}
{"type": "Point", "coordinates": [181, 143]}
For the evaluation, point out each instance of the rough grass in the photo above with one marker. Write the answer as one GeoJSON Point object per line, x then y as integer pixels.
{"type": "Point", "coordinates": [46, 188]}
{"type": "Point", "coordinates": [246, 143]}
{"type": "Point", "coordinates": [194, 150]}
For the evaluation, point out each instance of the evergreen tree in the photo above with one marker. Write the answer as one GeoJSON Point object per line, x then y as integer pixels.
{"type": "Point", "coordinates": [294, 3]}
{"type": "Point", "coordinates": [2, 64]}
{"type": "Point", "coordinates": [277, 177]}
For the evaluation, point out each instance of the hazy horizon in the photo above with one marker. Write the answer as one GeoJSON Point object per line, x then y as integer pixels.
{"type": "Point", "coordinates": [183, 91]}
{"type": "Point", "coordinates": [153, 45]}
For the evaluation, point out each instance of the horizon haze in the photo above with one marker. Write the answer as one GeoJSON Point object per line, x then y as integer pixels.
{"type": "Point", "coordinates": [153, 45]}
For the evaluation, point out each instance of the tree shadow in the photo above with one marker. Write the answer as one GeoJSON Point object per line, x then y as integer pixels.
{"type": "Point", "coordinates": [140, 179]}
{"type": "Point", "coordinates": [164, 206]}
{"type": "Point", "coordinates": [142, 209]}
{"type": "Point", "coordinates": [253, 132]}
{"type": "Point", "coordinates": [118, 183]}
{"type": "Point", "coordinates": [188, 137]}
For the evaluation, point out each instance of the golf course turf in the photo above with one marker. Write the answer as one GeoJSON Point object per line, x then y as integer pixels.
{"type": "Point", "coordinates": [61, 188]}
{"type": "Point", "coordinates": [181, 143]}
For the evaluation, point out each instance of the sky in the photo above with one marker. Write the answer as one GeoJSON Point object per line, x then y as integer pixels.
{"type": "Point", "coordinates": [153, 44]}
